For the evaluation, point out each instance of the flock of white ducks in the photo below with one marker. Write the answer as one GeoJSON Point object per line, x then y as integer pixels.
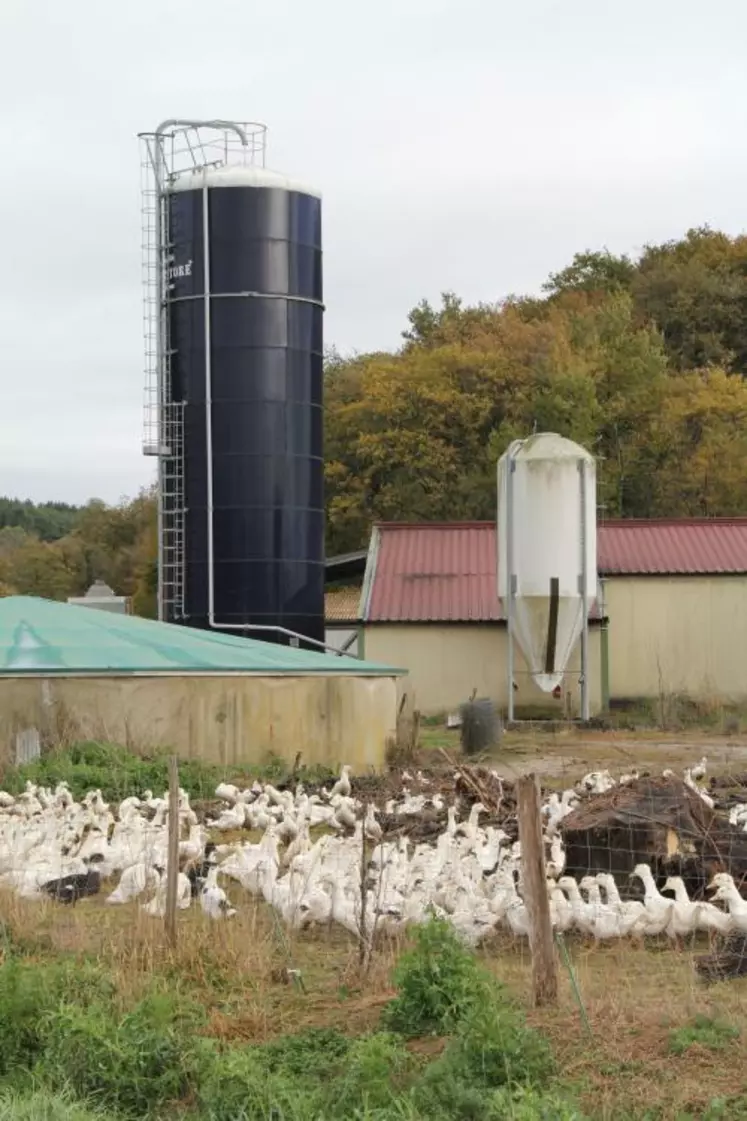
{"type": "Point", "coordinates": [471, 875]}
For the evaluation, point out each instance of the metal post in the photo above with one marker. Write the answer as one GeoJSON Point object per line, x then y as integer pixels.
{"type": "Point", "coordinates": [584, 601]}
{"type": "Point", "coordinates": [509, 546]}
{"type": "Point", "coordinates": [604, 646]}
{"type": "Point", "coordinates": [208, 399]}
{"type": "Point", "coordinates": [160, 348]}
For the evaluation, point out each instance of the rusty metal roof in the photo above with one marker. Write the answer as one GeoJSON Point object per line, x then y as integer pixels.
{"type": "Point", "coordinates": [688, 547]}
{"type": "Point", "coordinates": [446, 571]}
{"type": "Point", "coordinates": [428, 572]}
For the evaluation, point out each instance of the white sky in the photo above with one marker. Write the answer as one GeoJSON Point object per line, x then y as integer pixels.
{"type": "Point", "coordinates": [471, 145]}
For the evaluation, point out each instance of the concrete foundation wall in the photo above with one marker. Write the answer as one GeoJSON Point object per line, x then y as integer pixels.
{"type": "Point", "coordinates": [224, 720]}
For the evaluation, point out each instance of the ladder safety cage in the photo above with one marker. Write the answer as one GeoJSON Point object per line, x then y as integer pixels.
{"type": "Point", "coordinates": [175, 148]}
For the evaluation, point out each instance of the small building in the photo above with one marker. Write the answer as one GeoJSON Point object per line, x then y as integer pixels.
{"type": "Point", "coordinates": [670, 619]}
{"type": "Point", "coordinates": [102, 597]}
{"type": "Point", "coordinates": [68, 673]}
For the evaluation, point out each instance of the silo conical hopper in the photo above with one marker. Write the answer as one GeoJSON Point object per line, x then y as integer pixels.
{"type": "Point", "coordinates": [547, 548]}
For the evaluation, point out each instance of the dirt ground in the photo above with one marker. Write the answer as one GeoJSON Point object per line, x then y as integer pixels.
{"type": "Point", "coordinates": [568, 754]}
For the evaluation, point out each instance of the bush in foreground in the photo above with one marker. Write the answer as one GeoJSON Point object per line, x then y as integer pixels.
{"type": "Point", "coordinates": [438, 983]}
{"type": "Point", "coordinates": [134, 1065]}
{"type": "Point", "coordinates": [40, 1105]}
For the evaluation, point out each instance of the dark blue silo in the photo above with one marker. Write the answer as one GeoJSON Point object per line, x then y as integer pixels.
{"type": "Point", "coordinates": [259, 296]}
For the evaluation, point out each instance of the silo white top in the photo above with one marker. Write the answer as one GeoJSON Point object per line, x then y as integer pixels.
{"type": "Point", "coordinates": [549, 445]}
{"type": "Point", "coordinates": [238, 176]}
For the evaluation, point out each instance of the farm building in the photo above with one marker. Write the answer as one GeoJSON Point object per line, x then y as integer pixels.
{"type": "Point", "coordinates": [673, 595]}
{"type": "Point", "coordinates": [68, 672]}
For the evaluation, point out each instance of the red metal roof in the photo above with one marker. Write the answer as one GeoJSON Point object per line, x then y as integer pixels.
{"type": "Point", "coordinates": [446, 571]}
{"type": "Point", "coordinates": [686, 547]}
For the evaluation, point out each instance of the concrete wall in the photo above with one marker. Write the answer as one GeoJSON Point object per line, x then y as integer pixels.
{"type": "Point", "coordinates": [446, 662]}
{"type": "Point", "coordinates": [678, 635]}
{"type": "Point", "coordinates": [225, 720]}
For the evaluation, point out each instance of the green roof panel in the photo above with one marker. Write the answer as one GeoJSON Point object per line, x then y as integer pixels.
{"type": "Point", "coordinates": [42, 636]}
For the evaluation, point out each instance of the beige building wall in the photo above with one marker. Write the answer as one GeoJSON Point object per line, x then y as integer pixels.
{"type": "Point", "coordinates": [677, 634]}
{"type": "Point", "coordinates": [446, 662]}
{"type": "Point", "coordinates": [224, 720]}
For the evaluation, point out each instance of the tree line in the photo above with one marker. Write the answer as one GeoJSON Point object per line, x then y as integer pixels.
{"type": "Point", "coordinates": [643, 361]}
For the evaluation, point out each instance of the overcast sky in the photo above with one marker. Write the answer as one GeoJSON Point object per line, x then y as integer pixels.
{"type": "Point", "coordinates": [471, 145]}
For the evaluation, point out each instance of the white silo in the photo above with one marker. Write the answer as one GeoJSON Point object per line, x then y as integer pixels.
{"type": "Point", "coordinates": [547, 555]}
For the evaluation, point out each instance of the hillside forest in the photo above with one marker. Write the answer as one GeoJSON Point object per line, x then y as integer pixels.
{"type": "Point", "coordinates": [643, 361]}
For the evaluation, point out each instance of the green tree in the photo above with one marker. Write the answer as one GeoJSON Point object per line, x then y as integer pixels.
{"type": "Point", "coordinates": [593, 272]}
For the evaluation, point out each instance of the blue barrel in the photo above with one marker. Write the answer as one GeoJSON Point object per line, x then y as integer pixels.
{"type": "Point", "coordinates": [259, 442]}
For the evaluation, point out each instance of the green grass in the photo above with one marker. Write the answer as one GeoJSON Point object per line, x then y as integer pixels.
{"type": "Point", "coordinates": [703, 1032]}
{"type": "Point", "coordinates": [119, 773]}
{"type": "Point", "coordinates": [73, 1050]}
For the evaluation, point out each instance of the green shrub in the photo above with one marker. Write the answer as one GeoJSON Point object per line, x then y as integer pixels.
{"type": "Point", "coordinates": [493, 1050]}
{"type": "Point", "coordinates": [236, 1085]}
{"type": "Point", "coordinates": [439, 981]}
{"type": "Point", "coordinates": [375, 1074]}
{"type": "Point", "coordinates": [31, 992]}
{"type": "Point", "coordinates": [494, 1047]}
{"type": "Point", "coordinates": [523, 1103]}
{"type": "Point", "coordinates": [133, 1065]}
{"type": "Point", "coordinates": [318, 1052]}
{"type": "Point", "coordinates": [43, 1106]}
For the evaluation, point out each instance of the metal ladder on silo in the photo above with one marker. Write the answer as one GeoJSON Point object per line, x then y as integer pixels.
{"type": "Point", "coordinates": [173, 511]}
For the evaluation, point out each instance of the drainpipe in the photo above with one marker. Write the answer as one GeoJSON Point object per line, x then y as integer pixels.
{"type": "Point", "coordinates": [604, 645]}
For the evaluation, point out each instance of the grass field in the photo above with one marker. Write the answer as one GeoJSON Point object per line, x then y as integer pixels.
{"type": "Point", "coordinates": [649, 1042]}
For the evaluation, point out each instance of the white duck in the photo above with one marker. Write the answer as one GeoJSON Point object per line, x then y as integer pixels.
{"type": "Point", "coordinates": [658, 909]}
{"type": "Point", "coordinates": [343, 786]}
{"type": "Point", "coordinates": [133, 882]}
{"type": "Point", "coordinates": [703, 916]}
{"type": "Point", "coordinates": [213, 899]}
{"type": "Point", "coordinates": [727, 892]}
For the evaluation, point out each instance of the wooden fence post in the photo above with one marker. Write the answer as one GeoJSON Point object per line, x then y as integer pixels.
{"type": "Point", "coordinates": [172, 867]}
{"type": "Point", "coordinates": [534, 888]}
